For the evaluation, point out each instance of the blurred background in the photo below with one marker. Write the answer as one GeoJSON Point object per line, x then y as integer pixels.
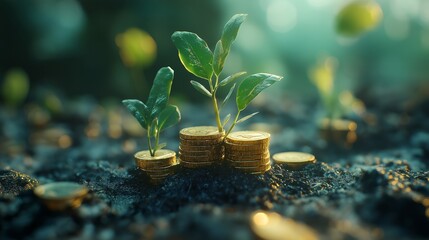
{"type": "Point", "coordinates": [110, 50]}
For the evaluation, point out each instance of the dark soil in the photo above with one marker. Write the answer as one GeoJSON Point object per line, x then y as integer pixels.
{"type": "Point", "coordinates": [378, 189]}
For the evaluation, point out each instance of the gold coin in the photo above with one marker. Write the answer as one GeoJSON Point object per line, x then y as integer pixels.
{"type": "Point", "coordinates": [262, 158]}
{"type": "Point", "coordinates": [200, 159]}
{"type": "Point", "coordinates": [293, 157]}
{"type": "Point", "coordinates": [195, 165]}
{"type": "Point", "coordinates": [245, 147]}
{"type": "Point", "coordinates": [246, 156]}
{"type": "Point", "coordinates": [200, 132]}
{"type": "Point", "coordinates": [247, 137]}
{"type": "Point", "coordinates": [200, 148]}
{"type": "Point", "coordinates": [201, 153]}
{"type": "Point", "coordinates": [158, 167]}
{"type": "Point", "coordinates": [259, 172]}
{"type": "Point", "coordinates": [161, 175]}
{"type": "Point", "coordinates": [149, 164]}
{"type": "Point", "coordinates": [161, 170]}
{"type": "Point", "coordinates": [270, 225]}
{"type": "Point", "coordinates": [255, 171]}
{"type": "Point", "coordinates": [159, 155]}
{"type": "Point", "coordinates": [248, 163]}
{"type": "Point", "coordinates": [162, 158]}
{"type": "Point", "coordinates": [59, 196]}
{"type": "Point", "coordinates": [201, 143]}
{"type": "Point", "coordinates": [159, 178]}
{"type": "Point", "coordinates": [255, 168]}
{"type": "Point", "coordinates": [294, 160]}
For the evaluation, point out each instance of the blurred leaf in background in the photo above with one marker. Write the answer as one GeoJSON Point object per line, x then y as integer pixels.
{"type": "Point", "coordinates": [336, 102]}
{"type": "Point", "coordinates": [358, 17]}
{"type": "Point", "coordinates": [15, 87]}
{"type": "Point", "coordinates": [323, 74]}
{"type": "Point", "coordinates": [137, 48]}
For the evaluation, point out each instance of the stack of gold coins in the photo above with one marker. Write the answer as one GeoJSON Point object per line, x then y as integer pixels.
{"type": "Point", "coordinates": [200, 146]}
{"type": "Point", "coordinates": [248, 151]}
{"type": "Point", "coordinates": [158, 167]}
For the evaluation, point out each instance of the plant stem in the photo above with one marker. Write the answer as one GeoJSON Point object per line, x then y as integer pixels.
{"type": "Point", "coordinates": [213, 90]}
{"type": "Point", "coordinates": [156, 141]}
{"type": "Point", "coordinates": [233, 124]}
{"type": "Point", "coordinates": [152, 153]}
{"type": "Point", "coordinates": [217, 114]}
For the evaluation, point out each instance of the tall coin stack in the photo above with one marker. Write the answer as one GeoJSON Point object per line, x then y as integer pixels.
{"type": "Point", "coordinates": [200, 146]}
{"type": "Point", "coordinates": [248, 151]}
{"type": "Point", "coordinates": [158, 167]}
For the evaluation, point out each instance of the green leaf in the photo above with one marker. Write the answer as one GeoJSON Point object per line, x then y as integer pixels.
{"type": "Point", "coordinates": [161, 146]}
{"type": "Point", "coordinates": [15, 87]}
{"type": "Point", "coordinates": [231, 90]}
{"type": "Point", "coordinates": [246, 117]}
{"type": "Point", "coordinates": [251, 86]}
{"type": "Point", "coordinates": [160, 92]}
{"type": "Point", "coordinates": [226, 119]}
{"type": "Point", "coordinates": [200, 88]}
{"type": "Point", "coordinates": [219, 57]}
{"type": "Point", "coordinates": [231, 78]}
{"type": "Point", "coordinates": [358, 17]}
{"type": "Point", "coordinates": [168, 117]}
{"type": "Point", "coordinates": [138, 109]}
{"type": "Point", "coordinates": [230, 30]}
{"type": "Point", "coordinates": [194, 54]}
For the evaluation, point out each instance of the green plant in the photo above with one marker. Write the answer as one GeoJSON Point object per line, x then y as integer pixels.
{"type": "Point", "coordinates": [199, 60]}
{"type": "Point", "coordinates": [156, 115]}
{"type": "Point", "coordinates": [336, 102]}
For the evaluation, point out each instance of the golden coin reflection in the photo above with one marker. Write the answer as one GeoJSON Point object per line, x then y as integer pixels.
{"type": "Point", "coordinates": [272, 226]}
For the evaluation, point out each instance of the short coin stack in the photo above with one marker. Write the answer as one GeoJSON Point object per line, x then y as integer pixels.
{"type": "Point", "coordinates": [200, 146]}
{"type": "Point", "coordinates": [158, 167]}
{"type": "Point", "coordinates": [248, 151]}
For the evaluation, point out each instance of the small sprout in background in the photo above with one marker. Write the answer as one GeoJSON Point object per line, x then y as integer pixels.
{"type": "Point", "coordinates": [337, 103]}
{"type": "Point", "coordinates": [322, 76]}
{"type": "Point", "coordinates": [50, 100]}
{"type": "Point", "coordinates": [199, 60]}
{"type": "Point", "coordinates": [358, 17]}
{"type": "Point", "coordinates": [136, 47]}
{"type": "Point", "coordinates": [15, 87]}
{"type": "Point", "coordinates": [138, 51]}
{"type": "Point", "coordinates": [156, 115]}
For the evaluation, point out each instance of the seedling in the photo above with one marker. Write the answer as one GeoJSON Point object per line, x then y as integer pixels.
{"type": "Point", "coordinates": [199, 60]}
{"type": "Point", "coordinates": [156, 115]}
{"type": "Point", "coordinates": [336, 102]}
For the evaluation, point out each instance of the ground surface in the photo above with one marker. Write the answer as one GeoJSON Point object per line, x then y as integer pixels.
{"type": "Point", "coordinates": [378, 189]}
